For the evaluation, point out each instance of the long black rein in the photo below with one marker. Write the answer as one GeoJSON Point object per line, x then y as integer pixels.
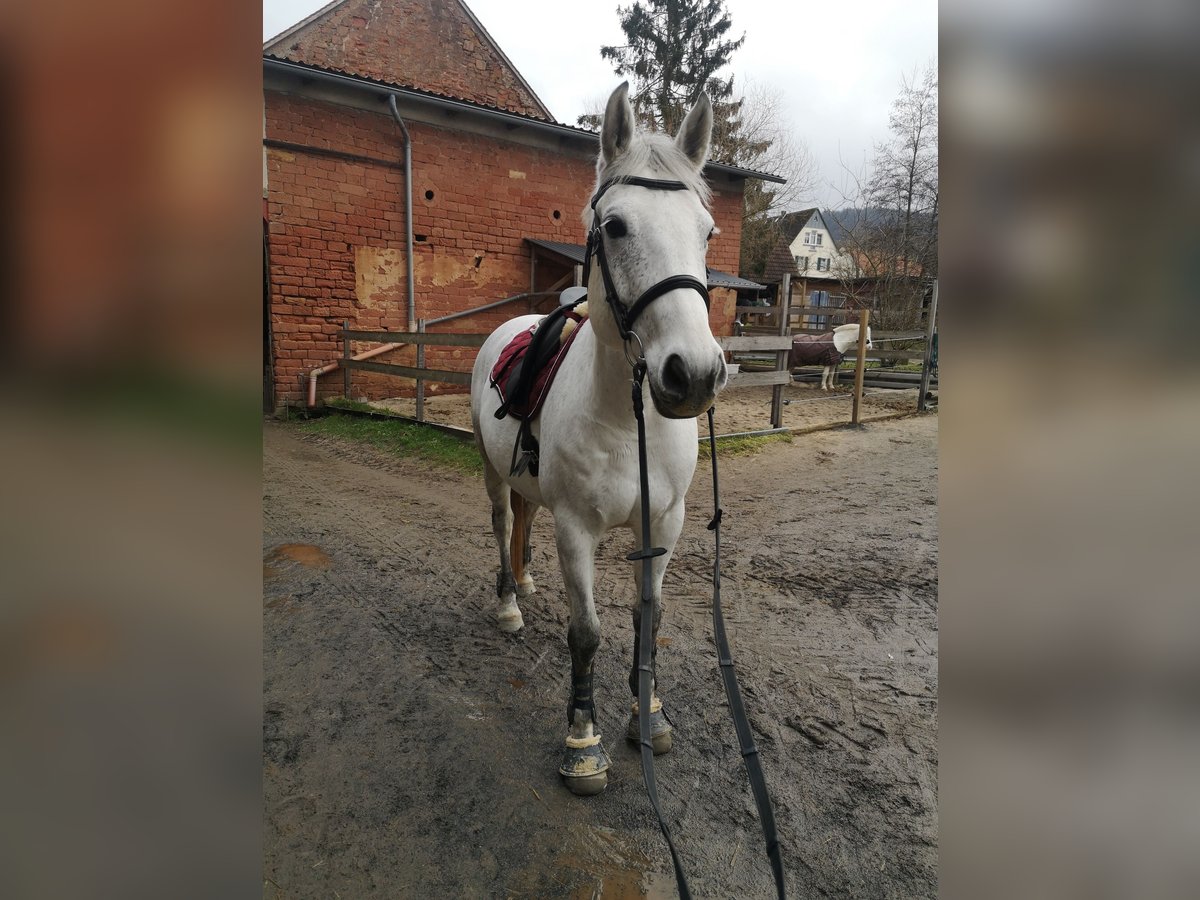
{"type": "Point", "coordinates": [625, 317]}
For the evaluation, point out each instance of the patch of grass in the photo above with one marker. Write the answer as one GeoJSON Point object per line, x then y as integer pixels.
{"type": "Point", "coordinates": [743, 446]}
{"type": "Point", "coordinates": [405, 439]}
{"type": "Point", "coordinates": [356, 405]}
{"type": "Point", "coordinates": [400, 438]}
{"type": "Point", "coordinates": [899, 367]}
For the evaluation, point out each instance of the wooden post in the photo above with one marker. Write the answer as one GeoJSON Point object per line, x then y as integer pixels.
{"type": "Point", "coordinates": [860, 366]}
{"type": "Point", "coordinates": [927, 364]}
{"type": "Point", "coordinates": [345, 358]}
{"type": "Point", "coordinates": [781, 356]}
{"type": "Point", "coordinates": [421, 381]}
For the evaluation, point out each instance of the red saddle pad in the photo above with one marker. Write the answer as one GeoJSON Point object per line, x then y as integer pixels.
{"type": "Point", "coordinates": [514, 352]}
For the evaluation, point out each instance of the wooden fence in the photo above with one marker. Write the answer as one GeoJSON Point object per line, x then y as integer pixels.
{"type": "Point", "coordinates": [779, 343]}
{"type": "Point", "coordinates": [420, 373]}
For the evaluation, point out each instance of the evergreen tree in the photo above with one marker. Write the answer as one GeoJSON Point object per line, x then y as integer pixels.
{"type": "Point", "coordinates": [674, 50]}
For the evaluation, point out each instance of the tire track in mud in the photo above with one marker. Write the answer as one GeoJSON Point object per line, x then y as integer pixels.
{"type": "Point", "coordinates": [400, 723]}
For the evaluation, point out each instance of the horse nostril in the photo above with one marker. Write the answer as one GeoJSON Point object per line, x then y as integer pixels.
{"type": "Point", "coordinates": [675, 376]}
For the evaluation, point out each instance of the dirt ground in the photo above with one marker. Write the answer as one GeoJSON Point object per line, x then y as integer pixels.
{"type": "Point", "coordinates": [747, 409]}
{"type": "Point", "coordinates": [410, 748]}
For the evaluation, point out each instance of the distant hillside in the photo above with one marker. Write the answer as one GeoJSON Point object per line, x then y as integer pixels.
{"type": "Point", "coordinates": [841, 221]}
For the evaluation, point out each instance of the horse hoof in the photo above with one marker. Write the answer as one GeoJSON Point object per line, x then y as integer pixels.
{"type": "Point", "coordinates": [509, 619]}
{"type": "Point", "coordinates": [585, 766]}
{"type": "Point", "coordinates": [587, 785]}
{"type": "Point", "coordinates": [526, 588]}
{"type": "Point", "coordinates": [660, 729]}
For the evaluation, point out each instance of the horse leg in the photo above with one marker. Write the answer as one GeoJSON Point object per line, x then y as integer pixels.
{"type": "Point", "coordinates": [584, 763]}
{"type": "Point", "coordinates": [827, 379]}
{"type": "Point", "coordinates": [521, 552]}
{"type": "Point", "coordinates": [508, 616]}
{"type": "Point", "coordinates": [664, 532]}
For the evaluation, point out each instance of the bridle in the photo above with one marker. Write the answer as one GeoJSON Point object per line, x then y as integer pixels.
{"type": "Point", "coordinates": [625, 317]}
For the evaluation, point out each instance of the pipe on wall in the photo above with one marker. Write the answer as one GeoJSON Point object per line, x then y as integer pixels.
{"type": "Point", "coordinates": [408, 212]}
{"type": "Point", "coordinates": [333, 366]}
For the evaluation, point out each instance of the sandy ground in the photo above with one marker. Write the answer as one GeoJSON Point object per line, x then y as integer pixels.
{"type": "Point", "coordinates": [410, 749]}
{"type": "Point", "coordinates": [747, 409]}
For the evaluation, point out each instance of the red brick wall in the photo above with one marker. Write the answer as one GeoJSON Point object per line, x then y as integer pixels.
{"type": "Point", "coordinates": [427, 44]}
{"type": "Point", "coordinates": [337, 235]}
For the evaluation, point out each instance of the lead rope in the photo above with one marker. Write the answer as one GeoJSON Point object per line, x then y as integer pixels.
{"type": "Point", "coordinates": [646, 631]}
{"type": "Point", "coordinates": [758, 785]}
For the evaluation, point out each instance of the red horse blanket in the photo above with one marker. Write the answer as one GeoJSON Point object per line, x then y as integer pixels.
{"type": "Point", "coordinates": [504, 372]}
{"type": "Point", "coordinates": [814, 350]}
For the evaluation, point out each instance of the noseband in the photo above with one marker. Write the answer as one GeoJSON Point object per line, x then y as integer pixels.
{"type": "Point", "coordinates": [624, 315]}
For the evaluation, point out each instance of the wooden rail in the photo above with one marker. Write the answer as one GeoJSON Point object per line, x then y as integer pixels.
{"type": "Point", "coordinates": [419, 373]}
{"type": "Point", "coordinates": [415, 337]}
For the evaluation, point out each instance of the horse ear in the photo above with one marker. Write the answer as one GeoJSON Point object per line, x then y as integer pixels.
{"type": "Point", "coordinates": [617, 129]}
{"type": "Point", "coordinates": [696, 132]}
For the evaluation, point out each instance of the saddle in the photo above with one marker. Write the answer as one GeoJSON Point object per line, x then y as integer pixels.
{"type": "Point", "coordinates": [524, 372]}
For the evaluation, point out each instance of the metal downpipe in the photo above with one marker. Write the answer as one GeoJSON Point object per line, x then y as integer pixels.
{"type": "Point", "coordinates": [408, 211]}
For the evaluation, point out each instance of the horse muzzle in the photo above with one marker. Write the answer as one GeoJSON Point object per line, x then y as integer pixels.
{"type": "Point", "coordinates": [683, 389]}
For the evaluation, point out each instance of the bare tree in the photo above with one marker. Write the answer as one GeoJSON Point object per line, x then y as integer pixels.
{"type": "Point", "coordinates": [764, 121]}
{"type": "Point", "coordinates": [890, 223]}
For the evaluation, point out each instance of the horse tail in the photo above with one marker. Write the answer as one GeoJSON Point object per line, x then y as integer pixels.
{"type": "Point", "coordinates": [517, 544]}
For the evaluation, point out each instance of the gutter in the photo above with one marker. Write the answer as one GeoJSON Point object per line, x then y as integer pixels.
{"type": "Point", "coordinates": [408, 211]}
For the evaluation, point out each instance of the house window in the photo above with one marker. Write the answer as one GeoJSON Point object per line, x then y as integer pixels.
{"type": "Point", "coordinates": [818, 298]}
{"type": "Point", "coordinates": [822, 263]}
{"type": "Point", "coordinates": [802, 263]}
{"type": "Point", "coordinates": [813, 238]}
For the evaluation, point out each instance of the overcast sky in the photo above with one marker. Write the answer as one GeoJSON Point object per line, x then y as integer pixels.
{"type": "Point", "coordinates": [836, 65]}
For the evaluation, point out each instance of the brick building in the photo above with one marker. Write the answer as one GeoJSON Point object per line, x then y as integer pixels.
{"type": "Point", "coordinates": [497, 188]}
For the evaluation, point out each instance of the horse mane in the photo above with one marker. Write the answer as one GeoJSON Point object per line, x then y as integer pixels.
{"type": "Point", "coordinates": [662, 157]}
{"type": "Point", "coordinates": [843, 327]}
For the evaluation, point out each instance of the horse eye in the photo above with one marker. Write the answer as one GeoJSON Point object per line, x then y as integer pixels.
{"type": "Point", "coordinates": [614, 228]}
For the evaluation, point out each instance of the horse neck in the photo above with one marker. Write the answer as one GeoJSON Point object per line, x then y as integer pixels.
{"type": "Point", "coordinates": [608, 393]}
{"type": "Point", "coordinates": [844, 339]}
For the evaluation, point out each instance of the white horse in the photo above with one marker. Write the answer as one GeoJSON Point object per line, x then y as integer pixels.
{"type": "Point", "coordinates": [653, 235]}
{"type": "Point", "coordinates": [828, 350]}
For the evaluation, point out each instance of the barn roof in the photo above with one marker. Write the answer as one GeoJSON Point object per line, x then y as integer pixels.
{"type": "Point", "coordinates": [432, 45]}
{"type": "Point", "coordinates": [381, 90]}
{"type": "Point", "coordinates": [574, 253]}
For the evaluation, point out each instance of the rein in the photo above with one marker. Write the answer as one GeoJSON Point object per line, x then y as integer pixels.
{"type": "Point", "coordinates": [625, 317]}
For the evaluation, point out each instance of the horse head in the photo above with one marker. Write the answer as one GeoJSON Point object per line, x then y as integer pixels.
{"type": "Point", "coordinates": [649, 225]}
{"type": "Point", "coordinates": [846, 336]}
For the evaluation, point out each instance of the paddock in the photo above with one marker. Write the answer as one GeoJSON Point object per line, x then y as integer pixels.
{"type": "Point", "coordinates": [410, 747]}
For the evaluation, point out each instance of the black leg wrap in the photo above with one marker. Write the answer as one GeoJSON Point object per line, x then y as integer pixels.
{"type": "Point", "coordinates": [505, 584]}
{"type": "Point", "coordinates": [581, 697]}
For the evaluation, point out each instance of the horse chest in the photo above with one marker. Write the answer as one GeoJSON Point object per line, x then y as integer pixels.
{"type": "Point", "coordinates": [601, 486]}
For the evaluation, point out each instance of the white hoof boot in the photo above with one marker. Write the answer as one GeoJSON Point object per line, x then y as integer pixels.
{"type": "Point", "coordinates": [508, 619]}
{"type": "Point", "coordinates": [525, 587]}
{"type": "Point", "coordinates": [584, 766]}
